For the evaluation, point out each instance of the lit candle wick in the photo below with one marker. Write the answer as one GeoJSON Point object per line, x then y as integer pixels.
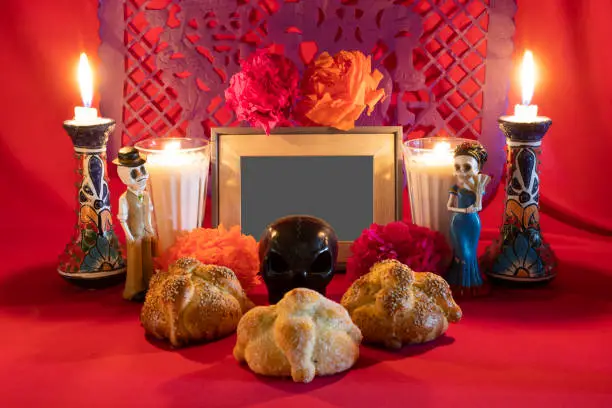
{"type": "Point", "coordinates": [172, 146]}
{"type": "Point", "coordinates": [172, 154]}
{"type": "Point", "coordinates": [526, 112]}
{"type": "Point", "coordinates": [85, 113]}
{"type": "Point", "coordinates": [442, 149]}
{"type": "Point", "coordinates": [441, 154]}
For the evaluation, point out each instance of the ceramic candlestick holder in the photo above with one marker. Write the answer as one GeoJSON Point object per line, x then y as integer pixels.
{"type": "Point", "coordinates": [93, 257]}
{"type": "Point", "coordinates": [520, 254]}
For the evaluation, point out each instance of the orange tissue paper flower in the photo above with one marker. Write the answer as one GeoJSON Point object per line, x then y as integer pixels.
{"type": "Point", "coordinates": [218, 246]}
{"type": "Point", "coordinates": [336, 90]}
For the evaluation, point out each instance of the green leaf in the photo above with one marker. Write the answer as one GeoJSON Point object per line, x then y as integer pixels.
{"type": "Point", "coordinates": [88, 239]}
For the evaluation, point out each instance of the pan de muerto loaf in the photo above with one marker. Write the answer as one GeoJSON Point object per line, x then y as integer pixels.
{"type": "Point", "coordinates": [393, 306]}
{"type": "Point", "coordinates": [193, 302]}
{"type": "Point", "coordinates": [303, 335]}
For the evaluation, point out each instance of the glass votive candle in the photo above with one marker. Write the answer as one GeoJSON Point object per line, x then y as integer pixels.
{"type": "Point", "coordinates": [178, 177]}
{"type": "Point", "coordinates": [429, 165]}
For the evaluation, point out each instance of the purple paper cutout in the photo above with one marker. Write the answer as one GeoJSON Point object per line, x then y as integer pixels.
{"type": "Point", "coordinates": [194, 38]}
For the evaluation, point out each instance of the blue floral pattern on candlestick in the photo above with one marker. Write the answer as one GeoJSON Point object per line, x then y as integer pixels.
{"type": "Point", "coordinates": [102, 257]}
{"type": "Point", "coordinates": [519, 259]}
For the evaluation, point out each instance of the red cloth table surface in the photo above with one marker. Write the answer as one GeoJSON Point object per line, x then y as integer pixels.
{"type": "Point", "coordinates": [64, 347]}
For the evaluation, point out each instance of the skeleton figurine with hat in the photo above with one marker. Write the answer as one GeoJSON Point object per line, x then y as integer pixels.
{"type": "Point", "coordinates": [135, 210]}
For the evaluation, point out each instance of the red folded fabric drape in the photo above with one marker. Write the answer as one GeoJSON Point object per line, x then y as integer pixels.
{"type": "Point", "coordinates": [41, 42]}
{"type": "Point", "coordinates": [570, 41]}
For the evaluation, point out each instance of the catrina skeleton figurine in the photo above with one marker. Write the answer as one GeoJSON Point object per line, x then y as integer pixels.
{"type": "Point", "coordinates": [135, 218]}
{"type": "Point", "coordinates": [465, 202]}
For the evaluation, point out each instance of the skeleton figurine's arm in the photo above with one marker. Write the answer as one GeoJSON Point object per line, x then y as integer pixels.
{"type": "Point", "coordinates": [451, 205]}
{"type": "Point", "coordinates": [148, 208]}
{"type": "Point", "coordinates": [123, 215]}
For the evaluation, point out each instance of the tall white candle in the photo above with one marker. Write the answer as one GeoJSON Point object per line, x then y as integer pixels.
{"type": "Point", "coordinates": [429, 165]}
{"type": "Point", "coordinates": [178, 175]}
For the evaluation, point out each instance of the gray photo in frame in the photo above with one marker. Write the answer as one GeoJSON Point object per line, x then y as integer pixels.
{"type": "Point", "coordinates": [348, 178]}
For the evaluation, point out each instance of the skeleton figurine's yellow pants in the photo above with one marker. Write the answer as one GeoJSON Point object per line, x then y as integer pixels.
{"type": "Point", "coordinates": [139, 266]}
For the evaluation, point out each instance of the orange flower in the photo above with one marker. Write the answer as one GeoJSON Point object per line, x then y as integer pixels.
{"type": "Point", "coordinates": [218, 246]}
{"type": "Point", "coordinates": [338, 89]}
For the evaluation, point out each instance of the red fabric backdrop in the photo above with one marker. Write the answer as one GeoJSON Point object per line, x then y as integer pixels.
{"type": "Point", "coordinates": [41, 42]}
{"type": "Point", "coordinates": [569, 40]}
{"type": "Point", "coordinates": [556, 341]}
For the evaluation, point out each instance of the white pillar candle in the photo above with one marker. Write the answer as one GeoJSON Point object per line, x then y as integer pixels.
{"type": "Point", "coordinates": [525, 113]}
{"type": "Point", "coordinates": [429, 165]}
{"type": "Point", "coordinates": [85, 114]}
{"type": "Point", "coordinates": [178, 175]}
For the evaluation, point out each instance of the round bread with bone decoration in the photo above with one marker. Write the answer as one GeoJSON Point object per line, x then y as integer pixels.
{"type": "Point", "coordinates": [393, 305]}
{"type": "Point", "coordinates": [193, 302]}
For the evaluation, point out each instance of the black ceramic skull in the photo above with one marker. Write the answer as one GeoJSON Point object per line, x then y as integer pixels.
{"type": "Point", "coordinates": [297, 251]}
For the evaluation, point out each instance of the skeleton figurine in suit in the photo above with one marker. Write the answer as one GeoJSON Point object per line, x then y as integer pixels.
{"type": "Point", "coordinates": [135, 210]}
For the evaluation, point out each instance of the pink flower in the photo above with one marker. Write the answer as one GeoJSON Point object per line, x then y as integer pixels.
{"type": "Point", "coordinates": [264, 91]}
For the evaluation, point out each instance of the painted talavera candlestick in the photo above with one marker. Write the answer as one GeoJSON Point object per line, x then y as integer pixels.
{"type": "Point", "coordinates": [134, 215]}
{"type": "Point", "coordinates": [93, 257]}
{"type": "Point", "coordinates": [520, 253]}
{"type": "Point", "coordinates": [465, 202]}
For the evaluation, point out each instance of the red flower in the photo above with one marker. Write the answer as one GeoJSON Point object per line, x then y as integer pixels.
{"type": "Point", "coordinates": [420, 248]}
{"type": "Point", "coordinates": [264, 91]}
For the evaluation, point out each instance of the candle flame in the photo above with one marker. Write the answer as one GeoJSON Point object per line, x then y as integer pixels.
{"type": "Point", "coordinates": [85, 81]}
{"type": "Point", "coordinates": [441, 154]}
{"type": "Point", "coordinates": [172, 146]}
{"type": "Point", "coordinates": [442, 148]}
{"type": "Point", "coordinates": [527, 77]}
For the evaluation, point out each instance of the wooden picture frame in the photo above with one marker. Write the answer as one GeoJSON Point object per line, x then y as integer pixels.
{"type": "Point", "coordinates": [382, 143]}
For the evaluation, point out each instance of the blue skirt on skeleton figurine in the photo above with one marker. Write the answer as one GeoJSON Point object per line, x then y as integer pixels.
{"type": "Point", "coordinates": [464, 234]}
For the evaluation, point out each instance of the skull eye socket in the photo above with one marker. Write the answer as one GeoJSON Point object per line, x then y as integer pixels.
{"type": "Point", "coordinates": [143, 170]}
{"type": "Point", "coordinates": [277, 264]}
{"type": "Point", "coordinates": [467, 167]}
{"type": "Point", "coordinates": [322, 264]}
{"type": "Point", "coordinates": [134, 173]}
{"type": "Point", "coordinates": [457, 167]}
